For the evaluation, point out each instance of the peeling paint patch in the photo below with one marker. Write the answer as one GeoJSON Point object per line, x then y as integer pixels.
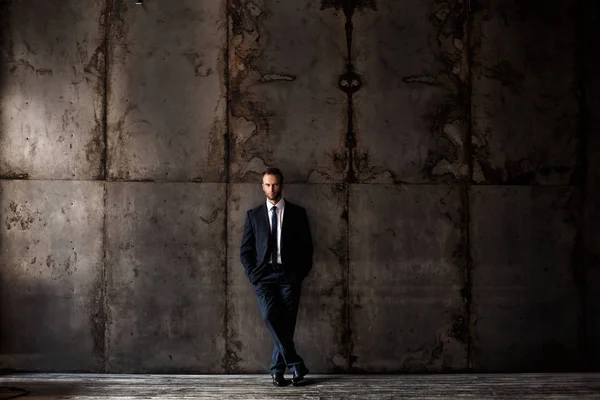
{"type": "Point", "coordinates": [421, 79]}
{"type": "Point", "coordinates": [276, 77]}
{"type": "Point", "coordinates": [250, 120]}
{"type": "Point", "coordinates": [43, 71]}
{"type": "Point", "coordinates": [409, 101]}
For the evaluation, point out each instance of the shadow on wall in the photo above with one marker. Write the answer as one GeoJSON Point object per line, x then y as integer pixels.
{"type": "Point", "coordinates": [51, 247]}
{"type": "Point", "coordinates": [524, 92]}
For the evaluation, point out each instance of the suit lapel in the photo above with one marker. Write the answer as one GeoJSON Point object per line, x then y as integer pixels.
{"type": "Point", "coordinates": [264, 221]}
{"type": "Point", "coordinates": [288, 220]}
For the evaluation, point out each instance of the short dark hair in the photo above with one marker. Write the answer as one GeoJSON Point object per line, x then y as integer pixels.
{"type": "Point", "coordinates": [273, 171]}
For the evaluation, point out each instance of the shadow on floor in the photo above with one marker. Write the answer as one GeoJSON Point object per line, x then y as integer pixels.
{"type": "Point", "coordinates": [9, 392]}
{"type": "Point", "coordinates": [49, 389]}
{"type": "Point", "coordinates": [316, 381]}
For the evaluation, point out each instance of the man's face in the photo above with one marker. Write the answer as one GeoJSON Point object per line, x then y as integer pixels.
{"type": "Point", "coordinates": [272, 187]}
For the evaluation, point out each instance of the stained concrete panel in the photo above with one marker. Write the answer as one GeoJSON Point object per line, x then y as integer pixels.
{"type": "Point", "coordinates": [52, 90]}
{"type": "Point", "coordinates": [411, 112]}
{"type": "Point", "coordinates": [524, 103]}
{"type": "Point", "coordinates": [286, 109]}
{"type": "Point", "coordinates": [591, 217]}
{"type": "Point", "coordinates": [51, 280]}
{"type": "Point", "coordinates": [166, 91]}
{"type": "Point", "coordinates": [166, 277]}
{"type": "Point", "coordinates": [321, 326]}
{"type": "Point", "coordinates": [591, 237]}
{"type": "Point", "coordinates": [526, 308]}
{"type": "Point", "coordinates": [407, 270]}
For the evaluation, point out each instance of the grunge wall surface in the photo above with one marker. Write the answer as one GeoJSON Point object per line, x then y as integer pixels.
{"type": "Point", "coordinates": [447, 153]}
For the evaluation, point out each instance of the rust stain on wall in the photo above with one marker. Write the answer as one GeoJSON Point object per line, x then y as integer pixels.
{"type": "Point", "coordinates": [234, 347]}
{"type": "Point", "coordinates": [95, 71]}
{"type": "Point", "coordinates": [250, 118]}
{"type": "Point", "coordinates": [449, 116]}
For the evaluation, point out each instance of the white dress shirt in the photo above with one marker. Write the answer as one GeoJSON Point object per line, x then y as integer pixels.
{"type": "Point", "coordinates": [280, 208]}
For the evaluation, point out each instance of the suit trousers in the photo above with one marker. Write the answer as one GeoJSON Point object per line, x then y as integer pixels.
{"type": "Point", "coordinates": [278, 300]}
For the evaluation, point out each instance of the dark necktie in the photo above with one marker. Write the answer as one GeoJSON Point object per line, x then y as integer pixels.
{"type": "Point", "coordinates": [274, 236]}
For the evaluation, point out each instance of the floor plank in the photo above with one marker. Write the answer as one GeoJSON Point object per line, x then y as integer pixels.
{"type": "Point", "coordinates": [322, 387]}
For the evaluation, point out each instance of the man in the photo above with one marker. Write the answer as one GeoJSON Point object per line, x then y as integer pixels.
{"type": "Point", "coordinates": [277, 253]}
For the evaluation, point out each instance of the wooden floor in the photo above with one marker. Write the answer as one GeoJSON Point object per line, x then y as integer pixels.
{"type": "Point", "coordinates": [364, 387]}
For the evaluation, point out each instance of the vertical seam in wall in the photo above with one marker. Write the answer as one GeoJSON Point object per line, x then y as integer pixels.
{"type": "Point", "coordinates": [580, 260]}
{"type": "Point", "coordinates": [105, 280]}
{"type": "Point", "coordinates": [469, 80]}
{"type": "Point", "coordinates": [467, 210]}
{"type": "Point", "coordinates": [104, 158]}
{"type": "Point", "coordinates": [350, 135]}
{"type": "Point", "coordinates": [349, 347]}
{"type": "Point", "coordinates": [226, 357]}
{"type": "Point", "coordinates": [350, 178]}
{"type": "Point", "coordinates": [469, 274]}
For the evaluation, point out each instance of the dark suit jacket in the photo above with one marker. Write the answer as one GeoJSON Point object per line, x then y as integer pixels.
{"type": "Point", "coordinates": [296, 243]}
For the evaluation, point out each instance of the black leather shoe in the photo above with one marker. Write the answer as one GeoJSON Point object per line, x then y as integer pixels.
{"type": "Point", "coordinates": [298, 377]}
{"type": "Point", "coordinates": [279, 380]}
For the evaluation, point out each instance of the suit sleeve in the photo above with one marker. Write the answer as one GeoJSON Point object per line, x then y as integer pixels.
{"type": "Point", "coordinates": [248, 248]}
{"type": "Point", "coordinates": [307, 245]}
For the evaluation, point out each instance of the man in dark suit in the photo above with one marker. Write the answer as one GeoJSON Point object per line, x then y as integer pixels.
{"type": "Point", "coordinates": [277, 253]}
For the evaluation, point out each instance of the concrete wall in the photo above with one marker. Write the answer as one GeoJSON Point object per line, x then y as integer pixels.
{"type": "Point", "coordinates": [591, 209]}
{"type": "Point", "coordinates": [447, 153]}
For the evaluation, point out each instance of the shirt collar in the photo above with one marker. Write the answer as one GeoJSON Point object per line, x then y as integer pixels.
{"type": "Point", "coordinates": [280, 205]}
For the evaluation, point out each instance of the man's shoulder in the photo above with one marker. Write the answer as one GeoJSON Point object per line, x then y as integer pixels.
{"type": "Point", "coordinates": [256, 209]}
{"type": "Point", "coordinates": [293, 207]}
